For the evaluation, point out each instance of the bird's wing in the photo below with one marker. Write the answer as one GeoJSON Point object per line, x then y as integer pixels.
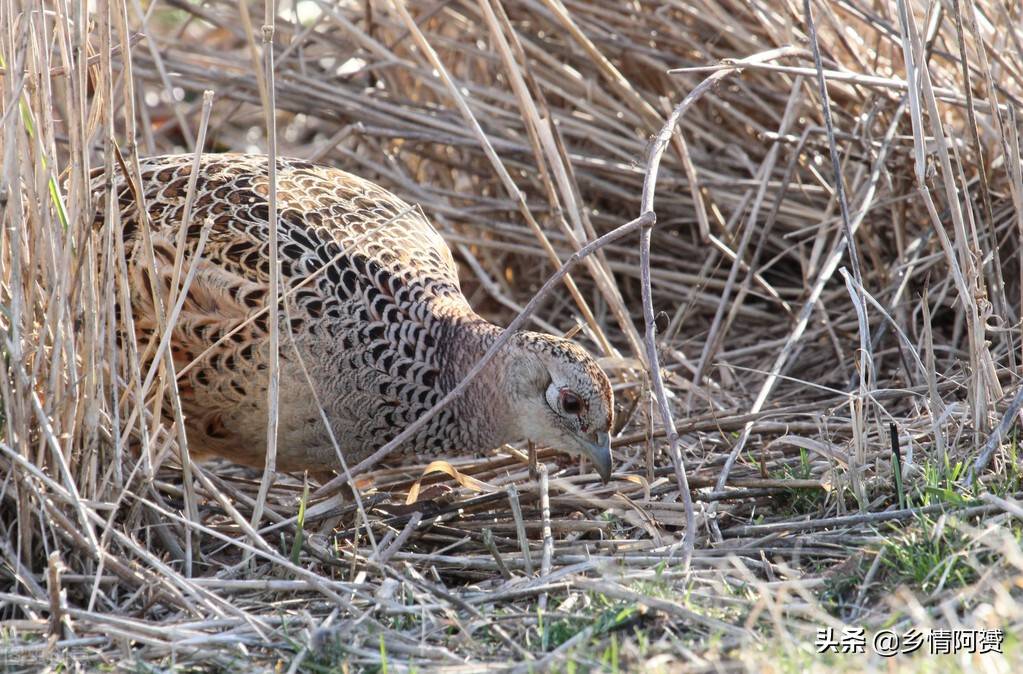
{"type": "Point", "coordinates": [364, 273]}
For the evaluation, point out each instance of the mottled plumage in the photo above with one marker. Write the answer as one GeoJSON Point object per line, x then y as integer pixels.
{"type": "Point", "coordinates": [381, 325]}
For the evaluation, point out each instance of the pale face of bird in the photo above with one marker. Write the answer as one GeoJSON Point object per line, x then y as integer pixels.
{"type": "Point", "coordinates": [563, 399]}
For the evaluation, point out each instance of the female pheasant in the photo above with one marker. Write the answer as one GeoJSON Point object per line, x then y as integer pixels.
{"type": "Point", "coordinates": [374, 327]}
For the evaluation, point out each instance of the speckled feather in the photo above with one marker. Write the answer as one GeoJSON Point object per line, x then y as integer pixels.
{"type": "Point", "coordinates": [382, 328]}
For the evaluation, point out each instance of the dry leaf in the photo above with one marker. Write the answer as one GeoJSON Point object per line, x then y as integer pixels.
{"type": "Point", "coordinates": [444, 467]}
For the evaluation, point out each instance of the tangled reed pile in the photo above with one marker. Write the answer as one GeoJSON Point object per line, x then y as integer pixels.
{"type": "Point", "coordinates": [840, 357]}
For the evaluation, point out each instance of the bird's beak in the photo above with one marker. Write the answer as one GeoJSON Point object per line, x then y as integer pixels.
{"type": "Point", "coordinates": [599, 453]}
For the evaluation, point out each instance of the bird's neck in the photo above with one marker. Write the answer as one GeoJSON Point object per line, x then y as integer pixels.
{"type": "Point", "coordinates": [485, 418]}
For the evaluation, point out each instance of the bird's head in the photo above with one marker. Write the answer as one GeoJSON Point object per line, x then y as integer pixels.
{"type": "Point", "coordinates": [561, 398]}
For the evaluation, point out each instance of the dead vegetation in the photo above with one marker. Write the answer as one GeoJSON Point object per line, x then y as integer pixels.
{"type": "Point", "coordinates": [840, 359]}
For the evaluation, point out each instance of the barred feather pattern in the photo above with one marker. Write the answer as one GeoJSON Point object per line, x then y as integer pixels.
{"type": "Point", "coordinates": [374, 327]}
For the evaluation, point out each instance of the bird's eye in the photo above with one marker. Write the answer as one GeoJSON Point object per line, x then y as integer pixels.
{"type": "Point", "coordinates": [570, 403]}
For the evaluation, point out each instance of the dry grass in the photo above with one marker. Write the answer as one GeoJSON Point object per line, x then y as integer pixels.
{"type": "Point", "coordinates": [799, 369]}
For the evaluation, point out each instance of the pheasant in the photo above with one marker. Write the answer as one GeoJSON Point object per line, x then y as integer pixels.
{"type": "Point", "coordinates": [374, 329]}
